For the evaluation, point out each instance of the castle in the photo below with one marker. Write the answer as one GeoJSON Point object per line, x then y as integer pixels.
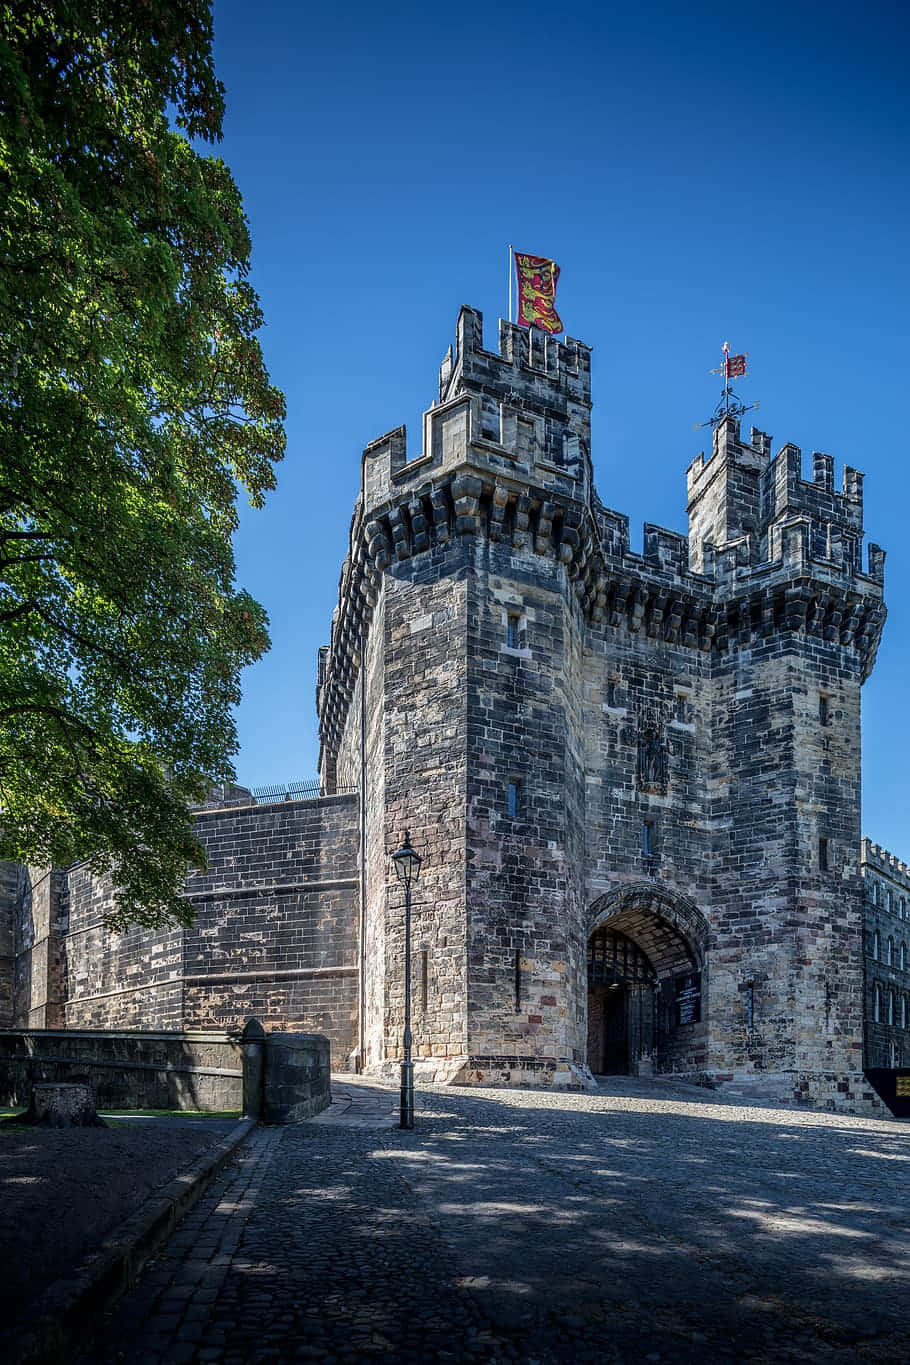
{"type": "Point", "coordinates": [634, 779]}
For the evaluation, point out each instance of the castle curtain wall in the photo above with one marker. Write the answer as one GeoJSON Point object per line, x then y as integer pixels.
{"type": "Point", "coordinates": [275, 935]}
{"type": "Point", "coordinates": [130, 980]}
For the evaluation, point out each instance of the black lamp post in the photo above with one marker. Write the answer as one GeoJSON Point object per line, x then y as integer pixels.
{"type": "Point", "coordinates": [407, 867]}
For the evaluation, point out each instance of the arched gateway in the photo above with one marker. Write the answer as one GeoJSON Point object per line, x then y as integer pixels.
{"type": "Point", "coordinates": [647, 984]}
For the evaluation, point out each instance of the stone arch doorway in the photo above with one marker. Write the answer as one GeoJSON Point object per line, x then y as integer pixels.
{"type": "Point", "coordinates": [647, 984]}
{"type": "Point", "coordinates": [621, 985]}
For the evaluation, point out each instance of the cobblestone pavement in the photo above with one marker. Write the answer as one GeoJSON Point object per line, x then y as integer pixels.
{"type": "Point", "coordinates": [646, 1222]}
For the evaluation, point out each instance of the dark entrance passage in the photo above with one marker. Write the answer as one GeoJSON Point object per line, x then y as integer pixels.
{"type": "Point", "coordinates": [608, 1031]}
{"type": "Point", "coordinates": [621, 985]}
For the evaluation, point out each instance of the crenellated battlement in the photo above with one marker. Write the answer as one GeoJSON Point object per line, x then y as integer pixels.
{"type": "Point", "coordinates": [538, 368]}
{"type": "Point", "coordinates": [745, 495]}
{"type": "Point", "coordinates": [505, 458]}
{"type": "Point", "coordinates": [879, 859]}
{"type": "Point", "coordinates": [525, 411]}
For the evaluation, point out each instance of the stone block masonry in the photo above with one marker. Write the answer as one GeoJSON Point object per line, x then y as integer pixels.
{"type": "Point", "coordinates": [633, 778]}
{"type": "Point", "coordinates": [275, 935]}
{"type": "Point", "coordinates": [9, 886]}
{"type": "Point", "coordinates": [886, 958]}
{"type": "Point", "coordinates": [647, 765]}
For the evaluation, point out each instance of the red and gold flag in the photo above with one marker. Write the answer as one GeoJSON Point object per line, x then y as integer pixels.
{"type": "Point", "coordinates": [735, 366]}
{"type": "Point", "coordinates": [537, 278]}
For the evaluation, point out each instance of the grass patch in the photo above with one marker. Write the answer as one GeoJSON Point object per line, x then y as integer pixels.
{"type": "Point", "coordinates": [172, 1113]}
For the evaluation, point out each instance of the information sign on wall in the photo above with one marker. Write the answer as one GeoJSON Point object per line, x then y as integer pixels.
{"type": "Point", "coordinates": [688, 999]}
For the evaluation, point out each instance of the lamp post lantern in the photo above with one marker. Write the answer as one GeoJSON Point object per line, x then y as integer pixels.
{"type": "Point", "coordinates": [407, 868]}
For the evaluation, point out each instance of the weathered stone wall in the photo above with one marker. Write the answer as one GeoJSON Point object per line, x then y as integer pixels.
{"type": "Point", "coordinates": [39, 945]}
{"type": "Point", "coordinates": [525, 912]}
{"type": "Point", "coordinates": [298, 1077]}
{"type": "Point", "coordinates": [424, 704]}
{"type": "Point", "coordinates": [118, 981]}
{"type": "Point", "coordinates": [275, 935]}
{"type": "Point", "coordinates": [9, 888]}
{"type": "Point", "coordinates": [662, 748]}
{"type": "Point", "coordinates": [886, 916]}
{"type": "Point", "coordinates": [634, 684]}
{"type": "Point", "coordinates": [147, 1070]}
{"type": "Point", "coordinates": [679, 730]}
{"type": "Point", "coordinates": [167, 1070]}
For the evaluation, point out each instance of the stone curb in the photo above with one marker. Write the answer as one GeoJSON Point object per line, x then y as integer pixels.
{"type": "Point", "coordinates": [71, 1309]}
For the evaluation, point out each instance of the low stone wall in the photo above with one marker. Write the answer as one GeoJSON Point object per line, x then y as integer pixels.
{"type": "Point", "coordinates": [297, 1076]}
{"type": "Point", "coordinates": [127, 1069]}
{"type": "Point", "coordinates": [168, 1070]}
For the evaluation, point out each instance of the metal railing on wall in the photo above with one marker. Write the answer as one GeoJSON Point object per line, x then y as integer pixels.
{"type": "Point", "coordinates": [295, 791]}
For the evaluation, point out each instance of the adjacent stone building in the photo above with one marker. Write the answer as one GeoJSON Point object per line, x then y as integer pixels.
{"type": "Point", "coordinates": [887, 958]}
{"type": "Point", "coordinates": [633, 778]}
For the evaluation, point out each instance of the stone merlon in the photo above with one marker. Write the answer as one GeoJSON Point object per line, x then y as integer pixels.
{"type": "Point", "coordinates": [506, 456]}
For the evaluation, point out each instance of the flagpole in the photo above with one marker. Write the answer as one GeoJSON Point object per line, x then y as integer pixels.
{"type": "Point", "coordinates": [511, 272]}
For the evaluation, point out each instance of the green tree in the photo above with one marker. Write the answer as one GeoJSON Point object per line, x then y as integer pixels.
{"type": "Point", "coordinates": [133, 402]}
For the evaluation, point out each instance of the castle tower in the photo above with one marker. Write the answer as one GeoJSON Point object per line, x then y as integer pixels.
{"type": "Point", "coordinates": [634, 778]}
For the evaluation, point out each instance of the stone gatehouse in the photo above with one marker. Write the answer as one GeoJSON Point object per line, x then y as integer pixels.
{"type": "Point", "coordinates": [634, 779]}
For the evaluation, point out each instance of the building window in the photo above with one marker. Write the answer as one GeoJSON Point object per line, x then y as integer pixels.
{"type": "Point", "coordinates": [823, 855]}
{"type": "Point", "coordinates": [876, 945]}
{"type": "Point", "coordinates": [891, 1007]}
{"type": "Point", "coordinates": [611, 693]}
{"type": "Point", "coordinates": [902, 908]}
{"type": "Point", "coordinates": [647, 837]}
{"type": "Point", "coordinates": [683, 711]}
{"type": "Point", "coordinates": [490, 423]}
{"type": "Point", "coordinates": [890, 952]}
{"type": "Point", "coordinates": [890, 903]}
{"type": "Point", "coordinates": [876, 1003]}
{"type": "Point", "coordinates": [903, 958]}
{"type": "Point", "coordinates": [876, 893]}
{"type": "Point", "coordinates": [512, 622]}
{"type": "Point", "coordinates": [824, 709]}
{"type": "Point", "coordinates": [513, 797]}
{"type": "Point", "coordinates": [903, 1011]}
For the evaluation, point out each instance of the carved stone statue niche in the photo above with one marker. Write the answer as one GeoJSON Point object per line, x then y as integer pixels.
{"type": "Point", "coordinates": [652, 759]}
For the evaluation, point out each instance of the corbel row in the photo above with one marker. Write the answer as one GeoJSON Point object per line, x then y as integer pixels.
{"type": "Point", "coordinates": [357, 596]}
{"type": "Point", "coordinates": [608, 594]}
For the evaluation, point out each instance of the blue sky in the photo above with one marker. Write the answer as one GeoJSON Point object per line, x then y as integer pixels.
{"type": "Point", "coordinates": [699, 172]}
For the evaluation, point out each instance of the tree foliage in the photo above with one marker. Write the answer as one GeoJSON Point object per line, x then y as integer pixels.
{"type": "Point", "coordinates": [133, 402]}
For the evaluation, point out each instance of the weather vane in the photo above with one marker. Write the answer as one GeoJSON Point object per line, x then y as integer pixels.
{"type": "Point", "coordinates": [734, 367]}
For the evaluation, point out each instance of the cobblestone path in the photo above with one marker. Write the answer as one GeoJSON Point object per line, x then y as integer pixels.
{"type": "Point", "coordinates": [643, 1224]}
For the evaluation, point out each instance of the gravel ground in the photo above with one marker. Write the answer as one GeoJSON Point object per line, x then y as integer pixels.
{"type": "Point", "coordinates": [638, 1224]}
{"type": "Point", "coordinates": [63, 1191]}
